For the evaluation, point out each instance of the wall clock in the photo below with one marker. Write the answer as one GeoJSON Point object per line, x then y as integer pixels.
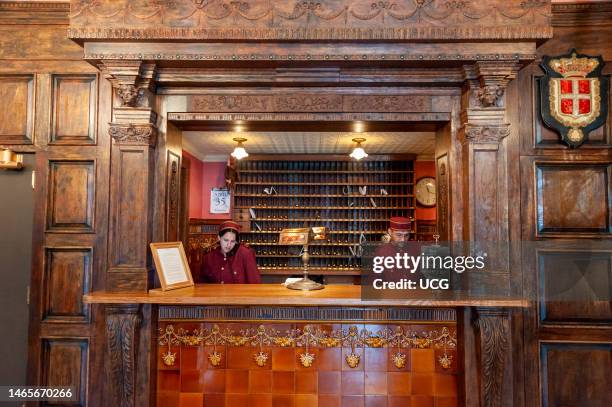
{"type": "Point", "coordinates": [425, 191]}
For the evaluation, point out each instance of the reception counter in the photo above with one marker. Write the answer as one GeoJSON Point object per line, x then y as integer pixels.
{"type": "Point", "coordinates": [226, 345]}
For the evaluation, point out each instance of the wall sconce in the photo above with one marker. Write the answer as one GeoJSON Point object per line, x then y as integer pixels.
{"type": "Point", "coordinates": [239, 152]}
{"type": "Point", "coordinates": [358, 152]}
{"type": "Point", "coordinates": [10, 161]}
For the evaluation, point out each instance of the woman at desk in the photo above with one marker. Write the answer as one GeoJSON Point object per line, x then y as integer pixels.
{"type": "Point", "coordinates": [231, 262]}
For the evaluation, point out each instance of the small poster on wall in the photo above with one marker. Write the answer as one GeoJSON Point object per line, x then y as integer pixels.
{"type": "Point", "coordinates": [219, 200]}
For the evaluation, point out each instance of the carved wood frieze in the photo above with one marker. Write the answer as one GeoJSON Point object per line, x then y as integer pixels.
{"type": "Point", "coordinates": [494, 336]}
{"type": "Point", "coordinates": [122, 326]}
{"type": "Point", "coordinates": [310, 103]}
{"type": "Point", "coordinates": [318, 20]}
{"type": "Point", "coordinates": [140, 134]}
{"type": "Point", "coordinates": [485, 134]}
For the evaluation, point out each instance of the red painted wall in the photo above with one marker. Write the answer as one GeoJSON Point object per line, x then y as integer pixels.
{"type": "Point", "coordinates": [195, 186]}
{"type": "Point", "coordinates": [204, 176]}
{"type": "Point", "coordinates": [424, 169]}
{"type": "Point", "coordinates": [214, 177]}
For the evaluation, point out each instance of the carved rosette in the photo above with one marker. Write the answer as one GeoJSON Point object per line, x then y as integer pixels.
{"type": "Point", "coordinates": [485, 134]}
{"type": "Point", "coordinates": [139, 134]}
{"type": "Point", "coordinates": [494, 336]}
{"type": "Point", "coordinates": [122, 325]}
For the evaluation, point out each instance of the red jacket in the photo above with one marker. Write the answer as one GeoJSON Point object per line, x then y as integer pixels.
{"type": "Point", "coordinates": [239, 268]}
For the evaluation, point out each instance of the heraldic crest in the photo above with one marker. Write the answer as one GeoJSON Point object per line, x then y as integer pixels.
{"type": "Point", "coordinates": [574, 95]}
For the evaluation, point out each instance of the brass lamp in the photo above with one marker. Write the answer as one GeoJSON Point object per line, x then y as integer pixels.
{"type": "Point", "coordinates": [303, 236]}
{"type": "Point", "coordinates": [10, 161]}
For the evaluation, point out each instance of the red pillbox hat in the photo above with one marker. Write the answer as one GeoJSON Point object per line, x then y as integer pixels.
{"type": "Point", "coordinates": [229, 224]}
{"type": "Point", "coordinates": [399, 223]}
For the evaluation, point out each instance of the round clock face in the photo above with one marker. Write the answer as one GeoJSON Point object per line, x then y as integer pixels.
{"type": "Point", "coordinates": [425, 191]}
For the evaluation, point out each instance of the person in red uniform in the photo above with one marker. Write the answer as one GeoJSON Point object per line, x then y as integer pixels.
{"type": "Point", "coordinates": [231, 262]}
{"type": "Point", "coordinates": [399, 242]}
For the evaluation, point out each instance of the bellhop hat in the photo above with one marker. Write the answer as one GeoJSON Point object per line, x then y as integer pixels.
{"type": "Point", "coordinates": [399, 223]}
{"type": "Point", "coordinates": [229, 224]}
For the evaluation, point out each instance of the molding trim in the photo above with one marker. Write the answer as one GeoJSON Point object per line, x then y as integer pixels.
{"type": "Point", "coordinates": [34, 12]}
{"type": "Point", "coordinates": [171, 312]}
{"type": "Point", "coordinates": [581, 14]}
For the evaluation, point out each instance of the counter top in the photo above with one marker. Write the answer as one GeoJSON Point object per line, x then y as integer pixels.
{"type": "Point", "coordinates": [276, 294]}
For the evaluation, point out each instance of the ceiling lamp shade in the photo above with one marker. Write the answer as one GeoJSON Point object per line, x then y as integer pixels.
{"type": "Point", "coordinates": [239, 152]}
{"type": "Point", "coordinates": [358, 152]}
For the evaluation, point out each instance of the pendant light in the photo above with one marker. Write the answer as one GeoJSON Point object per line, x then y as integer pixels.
{"type": "Point", "coordinates": [358, 152]}
{"type": "Point", "coordinates": [239, 152]}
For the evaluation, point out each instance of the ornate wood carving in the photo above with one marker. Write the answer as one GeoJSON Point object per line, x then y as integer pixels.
{"type": "Point", "coordinates": [443, 196]}
{"type": "Point", "coordinates": [303, 20]}
{"type": "Point", "coordinates": [490, 95]}
{"type": "Point", "coordinates": [486, 134]}
{"type": "Point", "coordinates": [494, 337]}
{"type": "Point", "coordinates": [172, 196]}
{"type": "Point", "coordinates": [311, 103]}
{"type": "Point", "coordinates": [129, 94]}
{"type": "Point", "coordinates": [122, 327]}
{"type": "Point", "coordinates": [141, 134]}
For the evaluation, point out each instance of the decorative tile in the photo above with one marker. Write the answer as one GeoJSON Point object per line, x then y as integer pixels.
{"type": "Point", "coordinates": [191, 399]}
{"type": "Point", "coordinates": [398, 383]}
{"type": "Point", "coordinates": [237, 381]}
{"type": "Point", "coordinates": [260, 381]}
{"type": "Point", "coordinates": [352, 383]}
{"type": "Point", "coordinates": [422, 383]}
{"type": "Point", "coordinates": [306, 382]}
{"type": "Point", "coordinates": [329, 382]}
{"type": "Point", "coordinates": [375, 383]}
{"type": "Point", "coordinates": [422, 360]}
{"type": "Point", "coordinates": [283, 382]}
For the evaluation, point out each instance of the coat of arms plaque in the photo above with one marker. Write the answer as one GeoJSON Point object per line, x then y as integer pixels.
{"type": "Point", "coordinates": [574, 95]}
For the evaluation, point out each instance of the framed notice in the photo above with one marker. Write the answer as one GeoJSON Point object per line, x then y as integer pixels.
{"type": "Point", "coordinates": [219, 200]}
{"type": "Point", "coordinates": [171, 265]}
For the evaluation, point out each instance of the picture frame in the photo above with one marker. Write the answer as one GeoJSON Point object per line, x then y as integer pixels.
{"type": "Point", "coordinates": [171, 265]}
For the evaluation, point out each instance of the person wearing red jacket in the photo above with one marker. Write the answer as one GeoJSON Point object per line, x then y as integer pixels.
{"type": "Point", "coordinates": [231, 262]}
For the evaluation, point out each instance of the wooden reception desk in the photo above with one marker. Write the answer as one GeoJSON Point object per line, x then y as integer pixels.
{"type": "Point", "coordinates": [226, 345]}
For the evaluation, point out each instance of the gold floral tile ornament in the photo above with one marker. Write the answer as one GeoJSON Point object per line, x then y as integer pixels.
{"type": "Point", "coordinates": [169, 358]}
{"type": "Point", "coordinates": [352, 360]}
{"type": "Point", "coordinates": [307, 359]}
{"type": "Point", "coordinates": [399, 359]}
{"type": "Point", "coordinates": [261, 358]}
{"type": "Point", "coordinates": [215, 358]}
{"type": "Point", "coordinates": [445, 361]}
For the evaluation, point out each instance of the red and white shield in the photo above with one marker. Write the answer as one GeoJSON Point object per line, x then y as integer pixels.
{"type": "Point", "coordinates": [575, 102]}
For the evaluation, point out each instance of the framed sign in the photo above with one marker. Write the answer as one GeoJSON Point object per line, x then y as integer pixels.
{"type": "Point", "coordinates": [171, 265]}
{"type": "Point", "coordinates": [219, 200]}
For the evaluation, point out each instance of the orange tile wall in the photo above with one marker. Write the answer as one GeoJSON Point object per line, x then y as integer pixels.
{"type": "Point", "coordinates": [283, 381]}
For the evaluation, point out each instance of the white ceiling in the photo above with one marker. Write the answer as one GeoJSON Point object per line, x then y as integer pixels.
{"type": "Point", "coordinates": [215, 145]}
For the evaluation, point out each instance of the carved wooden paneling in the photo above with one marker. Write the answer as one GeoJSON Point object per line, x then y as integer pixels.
{"type": "Point", "coordinates": [67, 278]}
{"type": "Point", "coordinates": [548, 138]}
{"type": "Point", "coordinates": [303, 20]}
{"type": "Point", "coordinates": [576, 374]}
{"type": "Point", "coordinates": [443, 198]}
{"type": "Point", "coordinates": [573, 198]}
{"type": "Point", "coordinates": [129, 195]}
{"type": "Point", "coordinates": [173, 175]}
{"type": "Point", "coordinates": [575, 286]}
{"type": "Point", "coordinates": [74, 108]}
{"type": "Point", "coordinates": [485, 192]}
{"type": "Point", "coordinates": [71, 195]}
{"type": "Point", "coordinates": [65, 363]}
{"type": "Point", "coordinates": [16, 109]}
{"type": "Point", "coordinates": [313, 103]}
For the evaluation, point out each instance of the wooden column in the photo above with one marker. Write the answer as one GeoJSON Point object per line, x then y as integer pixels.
{"type": "Point", "coordinates": [131, 218]}
{"type": "Point", "coordinates": [484, 136]}
{"type": "Point", "coordinates": [134, 134]}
